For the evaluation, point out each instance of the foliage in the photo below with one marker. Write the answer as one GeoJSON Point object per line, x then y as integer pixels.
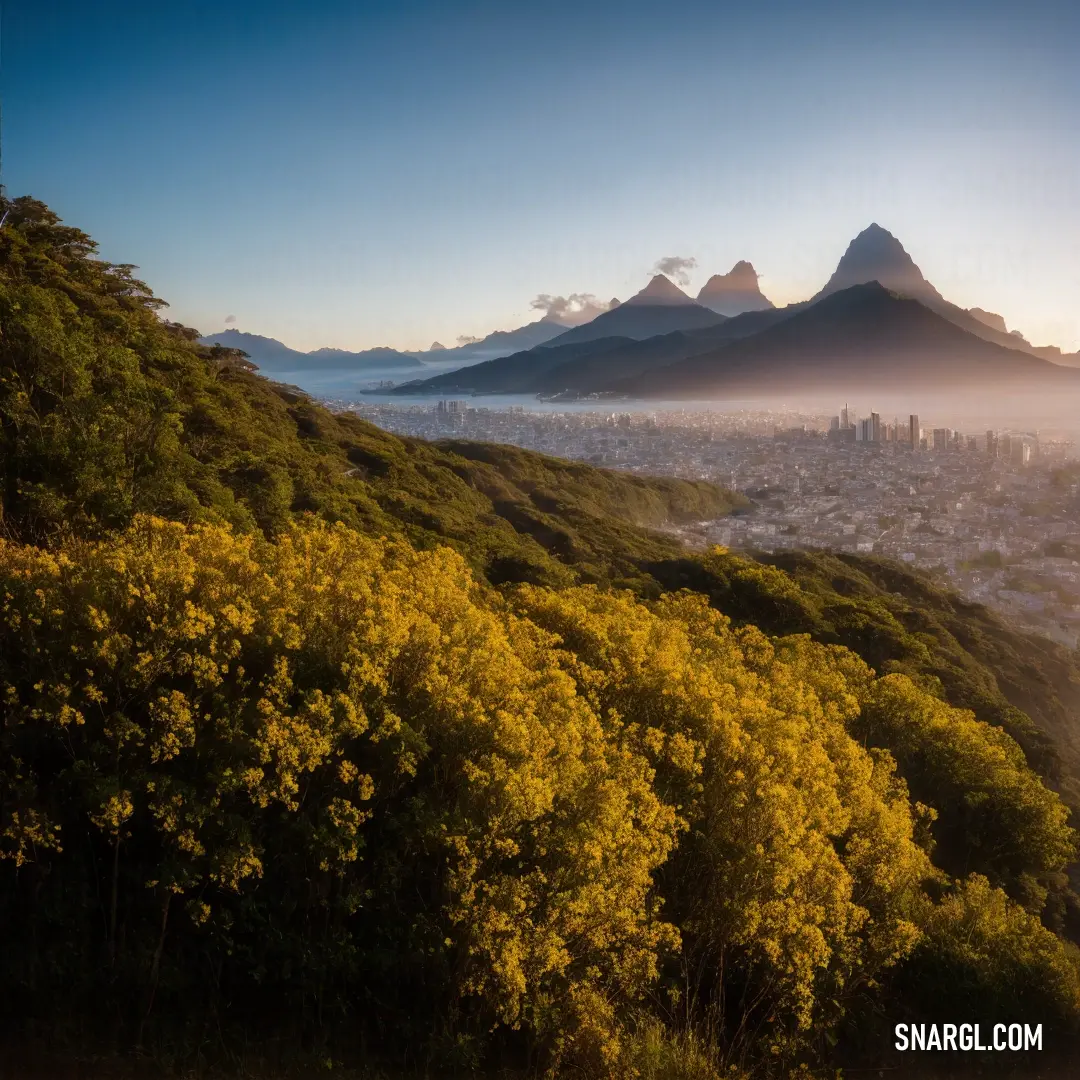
{"type": "Point", "coordinates": [341, 778]}
{"type": "Point", "coordinates": [995, 816]}
{"type": "Point", "coordinates": [313, 730]}
{"type": "Point", "coordinates": [899, 621]}
{"type": "Point", "coordinates": [1000, 963]}
{"type": "Point", "coordinates": [294, 763]}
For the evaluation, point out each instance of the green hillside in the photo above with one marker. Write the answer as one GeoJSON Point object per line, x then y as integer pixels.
{"type": "Point", "coordinates": [353, 748]}
{"type": "Point", "coordinates": [899, 621]}
{"type": "Point", "coordinates": [109, 413]}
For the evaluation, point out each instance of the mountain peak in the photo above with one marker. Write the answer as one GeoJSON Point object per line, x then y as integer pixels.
{"type": "Point", "coordinates": [660, 290]}
{"type": "Point", "coordinates": [876, 255]}
{"type": "Point", "coordinates": [734, 292]}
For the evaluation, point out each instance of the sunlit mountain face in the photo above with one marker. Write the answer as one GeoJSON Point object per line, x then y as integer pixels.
{"type": "Point", "coordinates": [734, 292]}
{"type": "Point", "coordinates": [877, 324]}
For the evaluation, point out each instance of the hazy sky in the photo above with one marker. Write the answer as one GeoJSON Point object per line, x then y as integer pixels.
{"type": "Point", "coordinates": [357, 174]}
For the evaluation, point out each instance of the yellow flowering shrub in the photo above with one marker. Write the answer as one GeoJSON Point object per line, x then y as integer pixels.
{"type": "Point", "coordinates": [794, 879]}
{"type": "Point", "coordinates": [331, 776]}
{"type": "Point", "coordinates": [241, 706]}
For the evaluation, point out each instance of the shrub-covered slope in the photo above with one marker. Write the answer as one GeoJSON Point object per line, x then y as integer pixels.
{"type": "Point", "coordinates": [334, 787]}
{"type": "Point", "coordinates": [106, 411]}
{"type": "Point", "coordinates": [356, 741]}
{"type": "Point", "coordinates": [901, 621]}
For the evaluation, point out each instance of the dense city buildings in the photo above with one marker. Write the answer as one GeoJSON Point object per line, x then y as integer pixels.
{"type": "Point", "coordinates": [994, 514]}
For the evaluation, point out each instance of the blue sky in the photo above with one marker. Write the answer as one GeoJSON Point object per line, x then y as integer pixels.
{"type": "Point", "coordinates": [358, 174]}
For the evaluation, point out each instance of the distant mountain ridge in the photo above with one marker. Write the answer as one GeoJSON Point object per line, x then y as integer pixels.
{"type": "Point", "coordinates": [271, 355]}
{"type": "Point", "coordinates": [504, 342]}
{"type": "Point", "coordinates": [865, 337]}
{"type": "Point", "coordinates": [658, 327]}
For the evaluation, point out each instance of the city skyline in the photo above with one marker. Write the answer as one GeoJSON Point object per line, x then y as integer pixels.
{"type": "Point", "coordinates": [375, 174]}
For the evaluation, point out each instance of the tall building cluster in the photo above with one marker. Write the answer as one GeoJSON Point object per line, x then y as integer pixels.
{"type": "Point", "coordinates": [1018, 448]}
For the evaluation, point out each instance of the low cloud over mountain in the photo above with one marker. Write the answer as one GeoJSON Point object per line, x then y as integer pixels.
{"type": "Point", "coordinates": [676, 267]}
{"type": "Point", "coordinates": [572, 310]}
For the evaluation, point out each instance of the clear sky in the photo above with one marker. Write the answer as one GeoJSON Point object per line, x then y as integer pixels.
{"type": "Point", "coordinates": [358, 174]}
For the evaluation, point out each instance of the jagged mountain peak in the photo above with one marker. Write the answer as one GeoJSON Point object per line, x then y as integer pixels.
{"type": "Point", "coordinates": [876, 255]}
{"type": "Point", "coordinates": [660, 290]}
{"type": "Point", "coordinates": [734, 292]}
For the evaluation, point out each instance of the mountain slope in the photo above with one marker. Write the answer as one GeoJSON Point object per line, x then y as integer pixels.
{"type": "Point", "coordinates": [519, 373]}
{"type": "Point", "coordinates": [503, 343]}
{"type": "Point", "coordinates": [591, 366]}
{"type": "Point", "coordinates": [734, 292]}
{"type": "Point", "coordinates": [660, 308]}
{"type": "Point", "coordinates": [863, 337]}
{"type": "Point", "coordinates": [596, 372]}
{"type": "Point", "coordinates": [876, 255]}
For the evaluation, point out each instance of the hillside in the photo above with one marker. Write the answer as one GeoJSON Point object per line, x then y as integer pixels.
{"type": "Point", "coordinates": [223, 444]}
{"type": "Point", "coordinates": [362, 749]}
{"type": "Point", "coordinates": [901, 621]}
{"type": "Point", "coordinates": [863, 337]}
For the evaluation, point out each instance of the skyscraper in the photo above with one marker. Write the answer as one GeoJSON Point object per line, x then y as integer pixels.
{"type": "Point", "coordinates": [914, 431]}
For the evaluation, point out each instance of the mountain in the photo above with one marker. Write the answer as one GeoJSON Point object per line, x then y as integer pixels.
{"type": "Point", "coordinates": [660, 308]}
{"type": "Point", "coordinates": [436, 346]}
{"type": "Point", "coordinates": [661, 291]}
{"type": "Point", "coordinates": [373, 358]}
{"type": "Point", "coordinates": [863, 337]}
{"type": "Point", "coordinates": [269, 354]}
{"type": "Point", "coordinates": [989, 318]}
{"type": "Point", "coordinates": [734, 292]}
{"type": "Point", "coordinates": [504, 342]}
{"type": "Point", "coordinates": [876, 255]}
{"type": "Point", "coordinates": [594, 371]}
{"type": "Point", "coordinates": [520, 373]}
{"type": "Point", "coordinates": [266, 353]}
{"type": "Point", "coordinates": [584, 367]}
